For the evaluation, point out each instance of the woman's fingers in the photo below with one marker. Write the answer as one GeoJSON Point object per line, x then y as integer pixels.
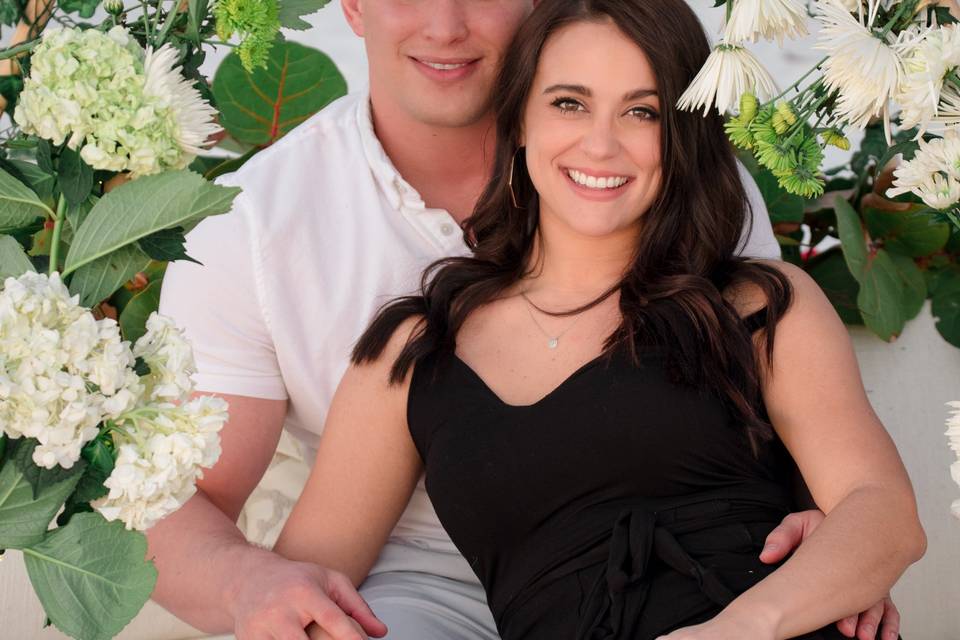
{"type": "Point", "coordinates": [789, 534]}
{"type": "Point", "coordinates": [314, 632]}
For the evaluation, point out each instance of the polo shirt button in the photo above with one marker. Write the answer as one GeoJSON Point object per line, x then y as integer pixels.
{"type": "Point", "coordinates": [446, 228]}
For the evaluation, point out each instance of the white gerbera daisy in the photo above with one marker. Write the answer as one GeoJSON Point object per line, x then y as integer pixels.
{"type": "Point", "coordinates": [729, 72]}
{"type": "Point", "coordinates": [195, 118]}
{"type": "Point", "coordinates": [866, 69]}
{"type": "Point", "coordinates": [928, 62]}
{"type": "Point", "coordinates": [769, 19]}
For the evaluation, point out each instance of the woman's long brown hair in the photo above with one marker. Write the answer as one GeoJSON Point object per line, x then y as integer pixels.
{"type": "Point", "coordinates": [672, 294]}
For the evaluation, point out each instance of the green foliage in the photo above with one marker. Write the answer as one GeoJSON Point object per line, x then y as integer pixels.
{"type": "Point", "coordinates": [291, 12]}
{"type": "Point", "coordinates": [257, 108]}
{"type": "Point", "coordinates": [10, 88]}
{"type": "Point", "coordinates": [142, 207]}
{"type": "Point", "coordinates": [135, 314]}
{"type": "Point", "coordinates": [255, 22]}
{"type": "Point", "coordinates": [831, 273]}
{"type": "Point", "coordinates": [30, 499]}
{"type": "Point", "coordinates": [13, 259]}
{"type": "Point", "coordinates": [74, 176]}
{"type": "Point", "coordinates": [84, 8]}
{"type": "Point", "coordinates": [97, 280]}
{"type": "Point", "coordinates": [166, 244]}
{"type": "Point", "coordinates": [84, 596]}
{"type": "Point", "coordinates": [19, 205]}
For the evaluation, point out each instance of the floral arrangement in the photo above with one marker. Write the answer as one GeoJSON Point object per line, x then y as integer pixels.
{"type": "Point", "coordinates": [104, 169]}
{"type": "Point", "coordinates": [881, 232]}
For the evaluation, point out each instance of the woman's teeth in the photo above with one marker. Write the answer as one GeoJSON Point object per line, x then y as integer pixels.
{"type": "Point", "coordinates": [444, 67]}
{"type": "Point", "coordinates": [592, 182]}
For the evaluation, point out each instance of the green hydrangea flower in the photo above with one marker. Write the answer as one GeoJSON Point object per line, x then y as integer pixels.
{"type": "Point", "coordinates": [124, 109]}
{"type": "Point", "coordinates": [256, 22]}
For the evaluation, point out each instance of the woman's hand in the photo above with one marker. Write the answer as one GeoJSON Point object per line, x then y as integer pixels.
{"type": "Point", "coordinates": [726, 626]}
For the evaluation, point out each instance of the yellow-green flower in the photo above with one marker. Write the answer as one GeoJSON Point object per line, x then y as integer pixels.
{"type": "Point", "coordinates": [255, 22]}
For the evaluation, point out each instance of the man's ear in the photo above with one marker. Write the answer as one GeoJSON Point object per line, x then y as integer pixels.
{"type": "Point", "coordinates": [353, 12]}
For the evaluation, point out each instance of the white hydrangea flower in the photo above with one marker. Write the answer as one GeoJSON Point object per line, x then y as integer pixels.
{"type": "Point", "coordinates": [170, 359]}
{"type": "Point", "coordinates": [866, 69]}
{"type": "Point", "coordinates": [119, 105]}
{"type": "Point", "coordinates": [934, 172]}
{"type": "Point", "coordinates": [924, 97]}
{"type": "Point", "coordinates": [769, 19]}
{"type": "Point", "coordinates": [61, 372]}
{"type": "Point", "coordinates": [160, 459]}
{"type": "Point", "coordinates": [729, 72]}
{"type": "Point", "coordinates": [953, 438]}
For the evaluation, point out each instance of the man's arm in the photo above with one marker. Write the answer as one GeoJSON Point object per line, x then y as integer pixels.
{"type": "Point", "coordinates": [212, 578]}
{"type": "Point", "coordinates": [199, 548]}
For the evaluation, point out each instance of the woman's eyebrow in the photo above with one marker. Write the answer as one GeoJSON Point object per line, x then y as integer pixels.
{"type": "Point", "coordinates": [584, 91]}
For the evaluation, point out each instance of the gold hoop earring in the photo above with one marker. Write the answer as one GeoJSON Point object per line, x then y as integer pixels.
{"type": "Point", "coordinates": [513, 196]}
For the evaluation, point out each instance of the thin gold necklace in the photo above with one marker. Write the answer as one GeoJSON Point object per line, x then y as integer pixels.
{"type": "Point", "coordinates": [553, 341]}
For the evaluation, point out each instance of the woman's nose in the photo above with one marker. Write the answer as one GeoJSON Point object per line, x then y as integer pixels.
{"type": "Point", "coordinates": [600, 141]}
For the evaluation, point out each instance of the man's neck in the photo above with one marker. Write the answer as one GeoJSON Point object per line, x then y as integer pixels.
{"type": "Point", "coordinates": [448, 166]}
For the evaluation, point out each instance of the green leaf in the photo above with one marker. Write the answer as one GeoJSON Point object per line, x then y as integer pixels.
{"type": "Point", "coordinates": [13, 259]}
{"type": "Point", "coordinates": [19, 205]}
{"type": "Point", "coordinates": [912, 233]}
{"type": "Point", "coordinates": [140, 207]}
{"type": "Point", "coordinates": [133, 320]}
{"type": "Point", "coordinates": [91, 576]}
{"type": "Point", "coordinates": [97, 280]}
{"type": "Point", "coordinates": [100, 458]}
{"type": "Point", "coordinates": [10, 88]}
{"type": "Point", "coordinates": [166, 245]}
{"type": "Point", "coordinates": [86, 8]}
{"type": "Point", "coordinates": [831, 273]}
{"type": "Point", "coordinates": [873, 146]}
{"type": "Point", "coordinates": [37, 179]}
{"type": "Point", "coordinates": [914, 285]}
{"type": "Point", "coordinates": [45, 156]}
{"type": "Point", "coordinates": [75, 177]}
{"type": "Point", "coordinates": [881, 297]}
{"type": "Point", "coordinates": [258, 108]}
{"type": "Point", "coordinates": [945, 306]}
{"type": "Point", "coordinates": [76, 214]}
{"type": "Point", "coordinates": [39, 478]}
{"type": "Point", "coordinates": [782, 206]}
{"type": "Point", "coordinates": [908, 148]}
{"type": "Point", "coordinates": [229, 165]}
{"type": "Point", "coordinates": [196, 12]}
{"type": "Point", "coordinates": [290, 12]}
{"type": "Point", "coordinates": [24, 518]}
{"type": "Point", "coordinates": [943, 16]}
{"type": "Point", "coordinates": [851, 238]}
{"type": "Point", "coordinates": [141, 367]}
{"type": "Point", "coordinates": [3, 450]}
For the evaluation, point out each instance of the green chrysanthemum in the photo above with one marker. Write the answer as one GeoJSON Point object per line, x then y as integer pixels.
{"type": "Point", "coordinates": [739, 133]}
{"type": "Point", "coordinates": [762, 126]}
{"type": "Point", "coordinates": [776, 156]}
{"type": "Point", "coordinates": [256, 23]}
{"type": "Point", "coordinates": [835, 138]}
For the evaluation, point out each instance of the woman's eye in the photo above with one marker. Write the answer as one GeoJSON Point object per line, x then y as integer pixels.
{"type": "Point", "coordinates": [568, 105]}
{"type": "Point", "coordinates": [644, 113]}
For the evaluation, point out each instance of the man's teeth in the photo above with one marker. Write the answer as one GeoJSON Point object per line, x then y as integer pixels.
{"type": "Point", "coordinates": [592, 182]}
{"type": "Point", "coordinates": [444, 67]}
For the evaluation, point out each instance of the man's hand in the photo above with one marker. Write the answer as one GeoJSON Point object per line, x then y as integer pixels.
{"type": "Point", "coordinates": [275, 598]}
{"type": "Point", "coordinates": [794, 529]}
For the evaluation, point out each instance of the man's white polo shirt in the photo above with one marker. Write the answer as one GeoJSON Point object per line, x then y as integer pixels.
{"type": "Point", "coordinates": [324, 233]}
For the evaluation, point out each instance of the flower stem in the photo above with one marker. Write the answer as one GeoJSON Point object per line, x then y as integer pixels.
{"type": "Point", "coordinates": [219, 43]}
{"type": "Point", "coordinates": [12, 52]}
{"type": "Point", "coordinates": [802, 78]}
{"type": "Point", "coordinates": [55, 240]}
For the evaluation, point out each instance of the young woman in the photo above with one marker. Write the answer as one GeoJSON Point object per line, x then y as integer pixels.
{"type": "Point", "coordinates": [604, 399]}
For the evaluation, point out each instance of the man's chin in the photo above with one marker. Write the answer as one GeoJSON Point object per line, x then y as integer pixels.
{"type": "Point", "coordinates": [449, 111]}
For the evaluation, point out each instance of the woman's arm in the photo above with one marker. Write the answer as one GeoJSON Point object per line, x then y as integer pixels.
{"type": "Point", "coordinates": [871, 534]}
{"type": "Point", "coordinates": [365, 472]}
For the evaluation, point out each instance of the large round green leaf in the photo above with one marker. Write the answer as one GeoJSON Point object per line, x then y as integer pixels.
{"type": "Point", "coordinates": [913, 233]}
{"type": "Point", "coordinates": [260, 107]}
{"type": "Point", "coordinates": [882, 296]}
{"type": "Point", "coordinates": [91, 576]}
{"type": "Point", "coordinates": [945, 305]}
{"type": "Point", "coordinates": [831, 273]}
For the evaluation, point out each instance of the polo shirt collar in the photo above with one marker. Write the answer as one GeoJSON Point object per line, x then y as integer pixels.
{"type": "Point", "coordinates": [397, 190]}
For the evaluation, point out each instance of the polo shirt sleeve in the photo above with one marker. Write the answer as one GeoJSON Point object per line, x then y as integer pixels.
{"type": "Point", "coordinates": [220, 306]}
{"type": "Point", "coordinates": [761, 242]}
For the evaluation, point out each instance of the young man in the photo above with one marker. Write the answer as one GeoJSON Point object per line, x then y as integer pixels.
{"type": "Point", "coordinates": [336, 218]}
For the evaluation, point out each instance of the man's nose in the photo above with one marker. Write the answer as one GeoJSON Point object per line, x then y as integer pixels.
{"type": "Point", "coordinates": [446, 21]}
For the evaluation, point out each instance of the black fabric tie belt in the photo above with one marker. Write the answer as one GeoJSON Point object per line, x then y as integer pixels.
{"type": "Point", "coordinates": [636, 538]}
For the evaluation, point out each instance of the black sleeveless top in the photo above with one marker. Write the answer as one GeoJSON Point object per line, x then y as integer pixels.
{"type": "Point", "coordinates": [619, 506]}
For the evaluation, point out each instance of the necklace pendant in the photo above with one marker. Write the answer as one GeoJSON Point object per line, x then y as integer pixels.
{"type": "Point", "coordinates": [553, 342]}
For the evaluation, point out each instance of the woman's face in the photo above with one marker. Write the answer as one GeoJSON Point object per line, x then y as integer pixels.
{"type": "Point", "coordinates": [591, 129]}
